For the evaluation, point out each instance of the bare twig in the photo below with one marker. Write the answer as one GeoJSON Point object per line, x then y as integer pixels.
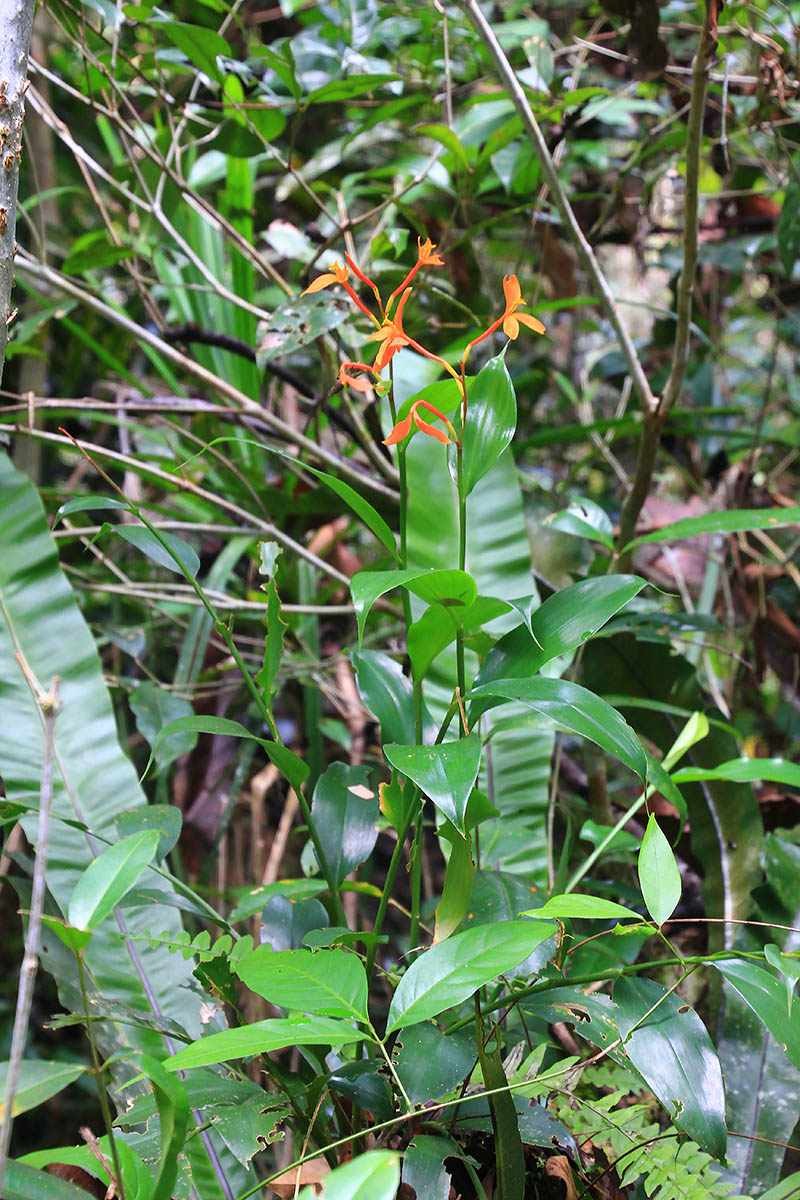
{"type": "Point", "coordinates": [49, 704]}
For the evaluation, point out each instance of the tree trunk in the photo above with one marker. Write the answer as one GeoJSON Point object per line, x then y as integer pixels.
{"type": "Point", "coordinates": [16, 22]}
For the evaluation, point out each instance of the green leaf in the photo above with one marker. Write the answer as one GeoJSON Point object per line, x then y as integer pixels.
{"type": "Point", "coordinates": [239, 141]}
{"type": "Point", "coordinates": [453, 589]}
{"type": "Point", "coordinates": [107, 880]}
{"type": "Point", "coordinates": [787, 1189]}
{"type": "Point", "coordinates": [490, 425]}
{"type": "Point", "coordinates": [766, 996]}
{"type": "Point", "coordinates": [262, 1038]}
{"type": "Point", "coordinates": [788, 230]}
{"type": "Point", "coordinates": [177, 551]}
{"type": "Point", "coordinates": [21, 1182]}
{"type": "Point", "coordinates": [430, 1063]}
{"type": "Point", "coordinates": [744, 770]}
{"type": "Point", "coordinates": [372, 1176]}
{"type": "Point", "coordinates": [659, 877]}
{"type": "Point", "coordinates": [584, 518]}
{"type": "Point", "coordinates": [449, 973]}
{"type": "Point", "coordinates": [93, 252]}
{"type": "Point", "coordinates": [38, 1081]}
{"type": "Point", "coordinates": [347, 89]}
{"type": "Point", "coordinates": [165, 819]}
{"type": "Point", "coordinates": [330, 982]}
{"type": "Point", "coordinates": [457, 883]}
{"type": "Point", "coordinates": [200, 45]}
{"type": "Point", "coordinates": [565, 620]}
{"type": "Point", "coordinates": [345, 812]}
{"type": "Point", "coordinates": [288, 763]}
{"type": "Point", "coordinates": [273, 648]}
{"type": "Point", "coordinates": [424, 1169]}
{"type": "Point", "coordinates": [387, 693]}
{"type": "Point", "coordinates": [173, 1117]}
{"type": "Point", "coordinates": [445, 773]}
{"type": "Point", "coordinates": [578, 907]}
{"type": "Point", "coordinates": [786, 966]}
{"type": "Point", "coordinates": [735, 520]}
{"type": "Point", "coordinates": [89, 504]}
{"type": "Point", "coordinates": [153, 708]}
{"type": "Point", "coordinates": [671, 1050]}
{"type": "Point", "coordinates": [576, 709]}
{"type": "Point", "coordinates": [445, 136]}
{"type": "Point", "coordinates": [438, 627]}
{"type": "Point", "coordinates": [297, 322]}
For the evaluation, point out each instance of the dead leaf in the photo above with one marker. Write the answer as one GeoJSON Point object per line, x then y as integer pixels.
{"type": "Point", "coordinates": [558, 1167]}
{"type": "Point", "coordinates": [311, 1173]}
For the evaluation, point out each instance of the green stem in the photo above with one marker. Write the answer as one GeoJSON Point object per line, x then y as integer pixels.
{"type": "Point", "coordinates": [416, 845]}
{"type": "Point", "coordinates": [98, 1077]}
{"type": "Point", "coordinates": [462, 558]}
{"type": "Point", "coordinates": [394, 863]}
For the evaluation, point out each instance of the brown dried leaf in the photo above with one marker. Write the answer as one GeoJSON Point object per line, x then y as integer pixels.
{"type": "Point", "coordinates": [558, 1167]}
{"type": "Point", "coordinates": [312, 1173]}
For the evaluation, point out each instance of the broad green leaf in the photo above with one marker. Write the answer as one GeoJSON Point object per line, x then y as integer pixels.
{"type": "Point", "coordinates": [744, 770]}
{"type": "Point", "coordinates": [431, 1063]}
{"type": "Point", "coordinates": [201, 46]}
{"type": "Point", "coordinates": [153, 708]}
{"type": "Point", "coordinates": [671, 1050]}
{"type": "Point", "coordinates": [584, 518]}
{"type": "Point", "coordinates": [173, 1117]}
{"type": "Point", "coordinates": [732, 520]}
{"type": "Point", "coordinates": [766, 995]}
{"type": "Point", "coordinates": [297, 322]}
{"type": "Point", "coordinates": [445, 136]}
{"type": "Point", "coordinates": [330, 982]}
{"type": "Point", "coordinates": [75, 939]}
{"type": "Point", "coordinates": [176, 551]}
{"type": "Point", "coordinates": [285, 922]}
{"type": "Point", "coordinates": [288, 763]}
{"type": "Point", "coordinates": [165, 819]}
{"type": "Point", "coordinates": [787, 1189]}
{"type": "Point", "coordinates": [449, 973]}
{"type": "Point", "coordinates": [347, 89]}
{"type": "Point", "coordinates": [565, 620]}
{"type": "Point", "coordinates": [38, 1081]}
{"type": "Point", "coordinates": [372, 1176]}
{"type": "Point", "coordinates": [363, 1082]}
{"type": "Point", "coordinates": [457, 883]}
{"type": "Point", "coordinates": [262, 1038]}
{"type": "Point", "coordinates": [88, 504]}
{"type": "Point", "coordinates": [135, 1176]}
{"type": "Point", "coordinates": [573, 708]}
{"type": "Point", "coordinates": [454, 589]}
{"type": "Point", "coordinates": [367, 586]}
{"type": "Point", "coordinates": [93, 252]}
{"type": "Point", "coordinates": [108, 879]}
{"type": "Point", "coordinates": [345, 812]}
{"type": "Point", "coordinates": [491, 421]}
{"type": "Point", "coordinates": [387, 693]}
{"type": "Point", "coordinates": [788, 967]}
{"type": "Point", "coordinates": [445, 773]}
{"type": "Point", "coordinates": [424, 1169]}
{"type": "Point", "coordinates": [438, 627]}
{"type": "Point", "coordinates": [578, 907]}
{"type": "Point", "coordinates": [659, 877]}
{"type": "Point", "coordinates": [23, 1182]}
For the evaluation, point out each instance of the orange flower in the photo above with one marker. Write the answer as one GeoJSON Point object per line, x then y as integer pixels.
{"type": "Point", "coordinates": [425, 258]}
{"type": "Point", "coordinates": [364, 278]}
{"type": "Point", "coordinates": [359, 385]}
{"type": "Point", "coordinates": [511, 318]}
{"type": "Point", "coordinates": [340, 275]}
{"type": "Point", "coordinates": [403, 428]}
{"type": "Point", "coordinates": [337, 274]}
{"type": "Point", "coordinates": [391, 334]}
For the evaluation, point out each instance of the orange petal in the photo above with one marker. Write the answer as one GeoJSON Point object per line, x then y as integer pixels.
{"type": "Point", "coordinates": [431, 430]}
{"type": "Point", "coordinates": [512, 292]}
{"type": "Point", "coordinates": [531, 322]}
{"type": "Point", "coordinates": [511, 327]}
{"type": "Point", "coordinates": [426, 254]}
{"type": "Point", "coordinates": [322, 281]}
{"type": "Point", "coordinates": [402, 429]}
{"type": "Point", "coordinates": [360, 274]}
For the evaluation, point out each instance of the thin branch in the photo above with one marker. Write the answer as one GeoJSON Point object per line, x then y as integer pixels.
{"type": "Point", "coordinates": [28, 266]}
{"type": "Point", "coordinates": [49, 704]}
{"type": "Point", "coordinates": [508, 78]}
